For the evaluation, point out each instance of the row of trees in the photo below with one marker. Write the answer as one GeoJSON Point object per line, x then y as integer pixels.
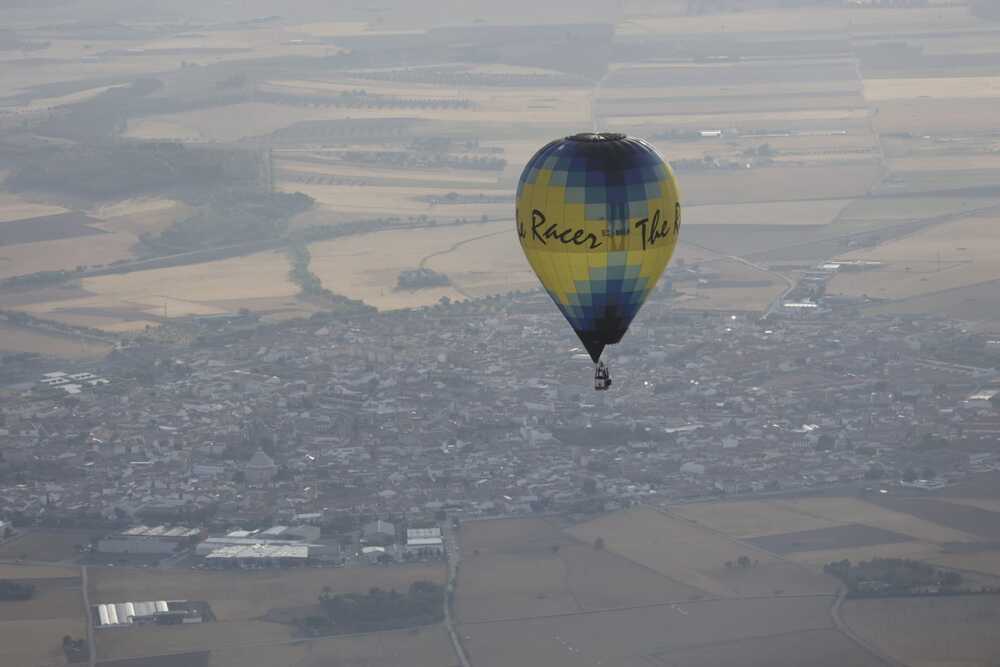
{"type": "Point", "coordinates": [378, 609]}
{"type": "Point", "coordinates": [744, 562]}
{"type": "Point", "coordinates": [892, 576]}
{"type": "Point", "coordinates": [424, 159]}
{"type": "Point", "coordinates": [76, 650]}
{"type": "Point", "coordinates": [311, 285]}
{"type": "Point", "coordinates": [16, 590]}
{"type": "Point", "coordinates": [231, 217]}
{"type": "Point", "coordinates": [361, 99]}
{"type": "Point", "coordinates": [414, 279]}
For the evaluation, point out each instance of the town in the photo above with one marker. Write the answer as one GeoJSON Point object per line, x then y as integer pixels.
{"type": "Point", "coordinates": [364, 429]}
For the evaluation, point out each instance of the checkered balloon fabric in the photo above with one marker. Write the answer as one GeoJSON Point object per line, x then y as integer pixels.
{"type": "Point", "coordinates": [598, 218]}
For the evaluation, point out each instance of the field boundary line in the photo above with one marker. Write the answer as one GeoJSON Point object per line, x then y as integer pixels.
{"type": "Point", "coordinates": [281, 642]}
{"type": "Point", "coordinates": [653, 605]}
{"type": "Point", "coordinates": [923, 295]}
{"type": "Point", "coordinates": [845, 629]}
{"type": "Point", "coordinates": [737, 640]}
{"type": "Point", "coordinates": [899, 230]}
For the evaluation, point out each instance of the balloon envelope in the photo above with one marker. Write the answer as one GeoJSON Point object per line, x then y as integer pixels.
{"type": "Point", "coordinates": [598, 218]}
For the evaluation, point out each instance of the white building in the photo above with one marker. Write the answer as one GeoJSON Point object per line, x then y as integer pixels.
{"type": "Point", "coordinates": [267, 553]}
{"type": "Point", "coordinates": [160, 540]}
{"type": "Point", "coordinates": [424, 540]}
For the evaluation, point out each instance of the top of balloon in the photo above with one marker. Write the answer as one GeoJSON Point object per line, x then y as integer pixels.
{"type": "Point", "coordinates": [593, 137]}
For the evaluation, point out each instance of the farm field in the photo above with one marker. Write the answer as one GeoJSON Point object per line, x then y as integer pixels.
{"type": "Point", "coordinates": [37, 572]}
{"type": "Point", "coordinates": [238, 596]}
{"type": "Point", "coordinates": [944, 257]}
{"type": "Point", "coordinates": [353, 201]}
{"type": "Point", "coordinates": [954, 88]}
{"type": "Point", "coordinates": [765, 213]}
{"type": "Point", "coordinates": [132, 642]}
{"type": "Point", "coordinates": [538, 570]}
{"type": "Point", "coordinates": [933, 162]}
{"type": "Point", "coordinates": [898, 209]}
{"type": "Point", "coordinates": [367, 266]}
{"type": "Point", "coordinates": [978, 303]}
{"type": "Point", "coordinates": [43, 236]}
{"type": "Point", "coordinates": [50, 546]}
{"type": "Point", "coordinates": [47, 228]}
{"type": "Point", "coordinates": [63, 254]}
{"type": "Point", "coordinates": [964, 629]}
{"type": "Point", "coordinates": [852, 510]}
{"type": "Point", "coordinates": [846, 536]}
{"type": "Point", "coordinates": [826, 647]}
{"type": "Point", "coordinates": [483, 259]}
{"type": "Point", "coordinates": [238, 600]}
{"type": "Point", "coordinates": [227, 123]}
{"type": "Point", "coordinates": [187, 659]}
{"type": "Point", "coordinates": [401, 648]}
{"type": "Point", "coordinates": [910, 549]}
{"type": "Point", "coordinates": [988, 504]}
{"type": "Point", "coordinates": [715, 100]}
{"type": "Point", "coordinates": [31, 631]}
{"type": "Point", "coordinates": [758, 290]}
{"type": "Point", "coordinates": [134, 300]}
{"type": "Point", "coordinates": [652, 635]}
{"type": "Point", "coordinates": [729, 119]}
{"type": "Point", "coordinates": [685, 552]}
{"type": "Point", "coordinates": [986, 561]}
{"type": "Point", "coordinates": [38, 643]}
{"type": "Point", "coordinates": [858, 20]}
{"type": "Point", "coordinates": [978, 521]}
{"type": "Point", "coordinates": [306, 170]}
{"type": "Point", "coordinates": [753, 518]}
{"type": "Point", "coordinates": [16, 207]}
{"type": "Point", "coordinates": [936, 117]}
{"type": "Point", "coordinates": [483, 265]}
{"type": "Point", "coordinates": [18, 339]}
{"type": "Point", "coordinates": [522, 593]}
{"type": "Point", "coordinates": [567, 107]}
{"type": "Point", "coordinates": [816, 531]}
{"type": "Point", "coordinates": [53, 596]}
{"type": "Point", "coordinates": [775, 184]}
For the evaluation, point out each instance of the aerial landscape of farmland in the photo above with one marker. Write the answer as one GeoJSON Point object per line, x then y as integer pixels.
{"type": "Point", "coordinates": [261, 272]}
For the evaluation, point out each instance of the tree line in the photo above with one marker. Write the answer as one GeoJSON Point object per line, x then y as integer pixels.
{"type": "Point", "coordinates": [16, 590]}
{"type": "Point", "coordinates": [376, 610]}
{"type": "Point", "coordinates": [230, 217]}
{"type": "Point", "coordinates": [893, 576]}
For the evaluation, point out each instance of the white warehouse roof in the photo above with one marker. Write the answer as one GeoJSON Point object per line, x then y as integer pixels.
{"type": "Point", "coordinates": [261, 551]}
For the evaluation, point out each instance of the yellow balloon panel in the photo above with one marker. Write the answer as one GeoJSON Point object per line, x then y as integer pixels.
{"type": "Point", "coordinates": [598, 218]}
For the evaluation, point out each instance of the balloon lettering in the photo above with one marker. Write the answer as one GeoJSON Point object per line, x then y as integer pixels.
{"type": "Point", "coordinates": [569, 235]}
{"type": "Point", "coordinates": [651, 232]}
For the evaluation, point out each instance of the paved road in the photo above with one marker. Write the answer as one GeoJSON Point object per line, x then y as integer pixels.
{"type": "Point", "coordinates": [454, 558]}
{"type": "Point", "coordinates": [91, 644]}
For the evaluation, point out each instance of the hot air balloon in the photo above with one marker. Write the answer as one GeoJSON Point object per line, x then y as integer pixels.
{"type": "Point", "coordinates": [598, 216]}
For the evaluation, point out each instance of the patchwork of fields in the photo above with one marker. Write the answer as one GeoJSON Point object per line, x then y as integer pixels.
{"type": "Point", "coordinates": [796, 150]}
{"type": "Point", "coordinates": [31, 631]}
{"type": "Point", "coordinates": [636, 587]}
{"type": "Point", "coordinates": [240, 600]}
{"type": "Point", "coordinates": [527, 590]}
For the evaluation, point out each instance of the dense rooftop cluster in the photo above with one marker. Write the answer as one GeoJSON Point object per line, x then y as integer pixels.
{"type": "Point", "coordinates": [486, 407]}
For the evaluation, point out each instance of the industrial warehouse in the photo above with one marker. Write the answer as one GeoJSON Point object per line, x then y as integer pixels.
{"type": "Point", "coordinates": [156, 540]}
{"type": "Point", "coordinates": [279, 546]}
{"type": "Point", "coordinates": [159, 612]}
